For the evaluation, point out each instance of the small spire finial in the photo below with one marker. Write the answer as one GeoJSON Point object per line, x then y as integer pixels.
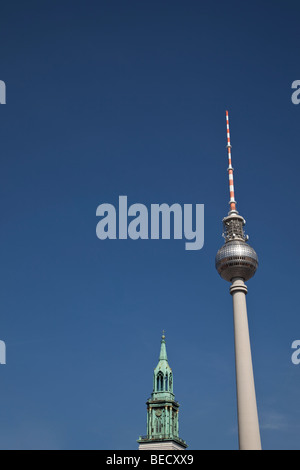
{"type": "Point", "coordinates": [163, 349]}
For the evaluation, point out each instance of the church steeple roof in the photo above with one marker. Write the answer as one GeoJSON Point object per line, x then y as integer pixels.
{"type": "Point", "coordinates": [163, 350]}
{"type": "Point", "coordinates": [163, 377]}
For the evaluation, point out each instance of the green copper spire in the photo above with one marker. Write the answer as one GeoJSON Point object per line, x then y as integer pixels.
{"type": "Point", "coordinates": [162, 409]}
{"type": "Point", "coordinates": [163, 350]}
{"type": "Point", "coordinates": [163, 377]}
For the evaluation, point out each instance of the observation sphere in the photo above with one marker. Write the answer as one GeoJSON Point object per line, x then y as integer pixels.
{"type": "Point", "coordinates": [236, 259]}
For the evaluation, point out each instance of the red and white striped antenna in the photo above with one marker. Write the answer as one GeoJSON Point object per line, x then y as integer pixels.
{"type": "Point", "coordinates": [232, 201]}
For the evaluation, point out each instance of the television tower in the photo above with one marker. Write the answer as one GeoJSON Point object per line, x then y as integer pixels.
{"type": "Point", "coordinates": [237, 262]}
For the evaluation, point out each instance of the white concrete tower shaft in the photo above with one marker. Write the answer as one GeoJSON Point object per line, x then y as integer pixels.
{"type": "Point", "coordinates": [248, 425]}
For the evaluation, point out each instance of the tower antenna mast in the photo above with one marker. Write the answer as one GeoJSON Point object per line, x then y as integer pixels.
{"type": "Point", "coordinates": [232, 201]}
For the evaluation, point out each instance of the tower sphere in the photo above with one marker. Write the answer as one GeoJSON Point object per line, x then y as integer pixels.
{"type": "Point", "coordinates": [236, 259]}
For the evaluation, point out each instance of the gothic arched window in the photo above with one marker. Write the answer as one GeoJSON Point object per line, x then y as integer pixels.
{"type": "Point", "coordinates": [159, 382]}
{"type": "Point", "coordinates": [170, 382]}
{"type": "Point", "coordinates": [166, 382]}
{"type": "Point", "coordinates": [158, 425]}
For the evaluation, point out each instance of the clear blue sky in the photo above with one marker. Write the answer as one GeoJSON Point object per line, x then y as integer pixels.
{"type": "Point", "coordinates": [109, 98]}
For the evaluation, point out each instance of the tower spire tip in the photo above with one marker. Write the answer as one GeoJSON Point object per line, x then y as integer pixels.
{"type": "Point", "coordinates": [232, 201]}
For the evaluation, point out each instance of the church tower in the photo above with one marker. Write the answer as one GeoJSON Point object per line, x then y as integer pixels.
{"type": "Point", "coordinates": [162, 410]}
